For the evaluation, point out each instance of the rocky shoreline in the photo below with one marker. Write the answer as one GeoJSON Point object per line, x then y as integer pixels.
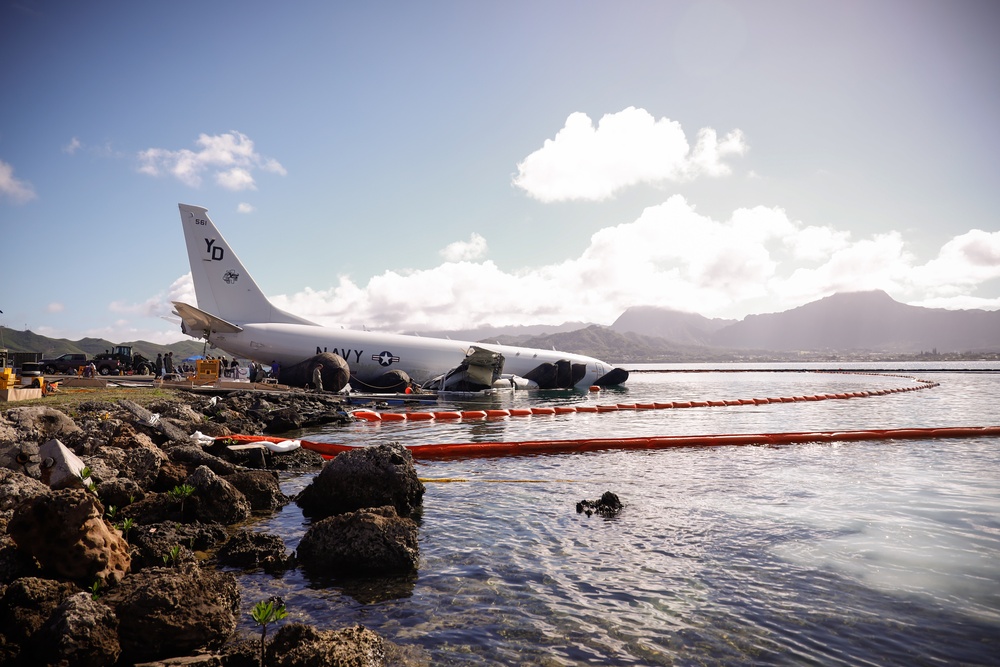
{"type": "Point", "coordinates": [121, 527]}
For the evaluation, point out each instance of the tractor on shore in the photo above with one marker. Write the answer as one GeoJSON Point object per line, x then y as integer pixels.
{"type": "Point", "coordinates": [131, 363]}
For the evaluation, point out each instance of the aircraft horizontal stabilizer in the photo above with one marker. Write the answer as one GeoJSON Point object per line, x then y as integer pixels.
{"type": "Point", "coordinates": [198, 323]}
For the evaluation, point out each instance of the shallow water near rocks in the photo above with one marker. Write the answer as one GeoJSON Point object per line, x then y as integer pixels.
{"type": "Point", "coordinates": [871, 552]}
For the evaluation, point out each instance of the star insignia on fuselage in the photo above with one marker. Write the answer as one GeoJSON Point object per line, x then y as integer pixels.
{"type": "Point", "coordinates": [385, 358]}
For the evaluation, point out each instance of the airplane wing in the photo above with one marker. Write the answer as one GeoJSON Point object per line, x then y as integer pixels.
{"type": "Point", "coordinates": [198, 323]}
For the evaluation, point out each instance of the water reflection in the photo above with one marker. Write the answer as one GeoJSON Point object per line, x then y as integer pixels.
{"type": "Point", "coordinates": [366, 590]}
{"type": "Point", "coordinates": [835, 553]}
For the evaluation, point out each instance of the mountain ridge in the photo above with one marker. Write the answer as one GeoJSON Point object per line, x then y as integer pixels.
{"type": "Point", "coordinates": [847, 323]}
{"type": "Point", "coordinates": [865, 321]}
{"type": "Point", "coordinates": [29, 341]}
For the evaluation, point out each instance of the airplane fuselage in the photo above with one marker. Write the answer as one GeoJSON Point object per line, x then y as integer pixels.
{"type": "Point", "coordinates": [235, 316]}
{"type": "Point", "coordinates": [370, 354]}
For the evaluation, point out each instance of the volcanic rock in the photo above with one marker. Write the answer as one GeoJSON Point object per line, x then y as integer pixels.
{"type": "Point", "coordinates": [215, 500]}
{"type": "Point", "coordinates": [365, 477]}
{"type": "Point", "coordinates": [165, 612]}
{"type": "Point", "coordinates": [607, 506]}
{"type": "Point", "coordinates": [66, 532]}
{"type": "Point", "coordinates": [367, 541]}
{"type": "Point", "coordinates": [298, 645]}
{"type": "Point", "coordinates": [248, 549]}
{"type": "Point", "coordinates": [260, 488]}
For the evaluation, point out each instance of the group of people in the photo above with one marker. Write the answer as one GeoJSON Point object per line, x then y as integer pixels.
{"type": "Point", "coordinates": [257, 372]}
{"type": "Point", "coordinates": [164, 365]}
{"type": "Point", "coordinates": [229, 368]}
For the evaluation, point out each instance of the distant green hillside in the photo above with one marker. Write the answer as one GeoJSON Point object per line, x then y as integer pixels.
{"type": "Point", "coordinates": [28, 341]}
{"type": "Point", "coordinates": [614, 347]}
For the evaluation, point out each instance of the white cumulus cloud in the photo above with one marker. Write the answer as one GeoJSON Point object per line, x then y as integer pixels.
{"type": "Point", "coordinates": [706, 157]}
{"type": "Point", "coordinates": [631, 147]}
{"type": "Point", "coordinates": [881, 262]}
{"type": "Point", "coordinates": [465, 251]}
{"type": "Point", "coordinates": [963, 262]}
{"type": "Point", "coordinates": [671, 256]}
{"type": "Point", "coordinates": [17, 190]}
{"type": "Point", "coordinates": [161, 304]}
{"type": "Point", "coordinates": [229, 158]}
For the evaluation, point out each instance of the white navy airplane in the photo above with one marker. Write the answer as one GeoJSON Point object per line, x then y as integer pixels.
{"type": "Point", "coordinates": [235, 316]}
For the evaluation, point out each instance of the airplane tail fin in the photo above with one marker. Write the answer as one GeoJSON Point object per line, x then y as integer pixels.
{"type": "Point", "coordinates": [222, 284]}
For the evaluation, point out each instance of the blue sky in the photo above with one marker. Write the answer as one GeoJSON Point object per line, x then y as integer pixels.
{"type": "Point", "coordinates": [414, 166]}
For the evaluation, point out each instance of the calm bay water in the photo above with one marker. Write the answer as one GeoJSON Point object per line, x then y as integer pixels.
{"type": "Point", "coordinates": [881, 553]}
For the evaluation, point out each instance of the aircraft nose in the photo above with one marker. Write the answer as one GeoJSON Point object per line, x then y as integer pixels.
{"type": "Point", "coordinates": [612, 377]}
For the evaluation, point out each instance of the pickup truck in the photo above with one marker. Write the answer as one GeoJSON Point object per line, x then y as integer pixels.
{"type": "Point", "coordinates": [69, 363]}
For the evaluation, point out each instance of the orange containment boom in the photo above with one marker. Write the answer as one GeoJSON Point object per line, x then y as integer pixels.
{"type": "Point", "coordinates": [459, 450]}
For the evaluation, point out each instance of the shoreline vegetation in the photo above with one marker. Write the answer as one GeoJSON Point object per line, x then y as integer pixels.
{"type": "Point", "coordinates": [124, 513]}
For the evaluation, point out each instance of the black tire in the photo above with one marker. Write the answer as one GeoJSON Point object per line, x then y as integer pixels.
{"type": "Point", "coordinates": [143, 369]}
{"type": "Point", "coordinates": [49, 370]}
{"type": "Point", "coordinates": [104, 370]}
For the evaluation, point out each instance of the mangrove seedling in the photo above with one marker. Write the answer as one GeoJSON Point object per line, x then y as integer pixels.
{"type": "Point", "coordinates": [265, 612]}
{"type": "Point", "coordinates": [125, 526]}
{"type": "Point", "coordinates": [88, 483]}
{"type": "Point", "coordinates": [170, 558]}
{"type": "Point", "coordinates": [182, 493]}
{"type": "Point", "coordinates": [95, 590]}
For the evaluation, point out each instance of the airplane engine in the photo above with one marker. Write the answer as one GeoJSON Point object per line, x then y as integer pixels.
{"type": "Point", "coordinates": [560, 375]}
{"type": "Point", "coordinates": [390, 382]}
{"type": "Point", "coordinates": [613, 377]}
{"type": "Point", "coordinates": [336, 373]}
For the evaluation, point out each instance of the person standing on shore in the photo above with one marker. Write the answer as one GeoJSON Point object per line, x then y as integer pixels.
{"type": "Point", "coordinates": [168, 364]}
{"type": "Point", "coordinates": [318, 377]}
{"type": "Point", "coordinates": [158, 365]}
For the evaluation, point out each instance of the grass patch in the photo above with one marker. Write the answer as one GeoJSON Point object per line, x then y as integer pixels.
{"type": "Point", "coordinates": [69, 399]}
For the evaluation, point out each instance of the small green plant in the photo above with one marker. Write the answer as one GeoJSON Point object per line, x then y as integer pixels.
{"type": "Point", "coordinates": [182, 493]}
{"type": "Point", "coordinates": [88, 482]}
{"type": "Point", "coordinates": [111, 511]}
{"type": "Point", "coordinates": [95, 589]}
{"type": "Point", "coordinates": [125, 526]}
{"type": "Point", "coordinates": [266, 612]}
{"type": "Point", "coordinates": [170, 558]}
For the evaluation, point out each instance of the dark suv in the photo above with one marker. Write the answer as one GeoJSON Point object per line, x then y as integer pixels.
{"type": "Point", "coordinates": [67, 364]}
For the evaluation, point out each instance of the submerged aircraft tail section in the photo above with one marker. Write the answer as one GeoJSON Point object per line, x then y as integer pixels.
{"type": "Point", "coordinates": [222, 284]}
